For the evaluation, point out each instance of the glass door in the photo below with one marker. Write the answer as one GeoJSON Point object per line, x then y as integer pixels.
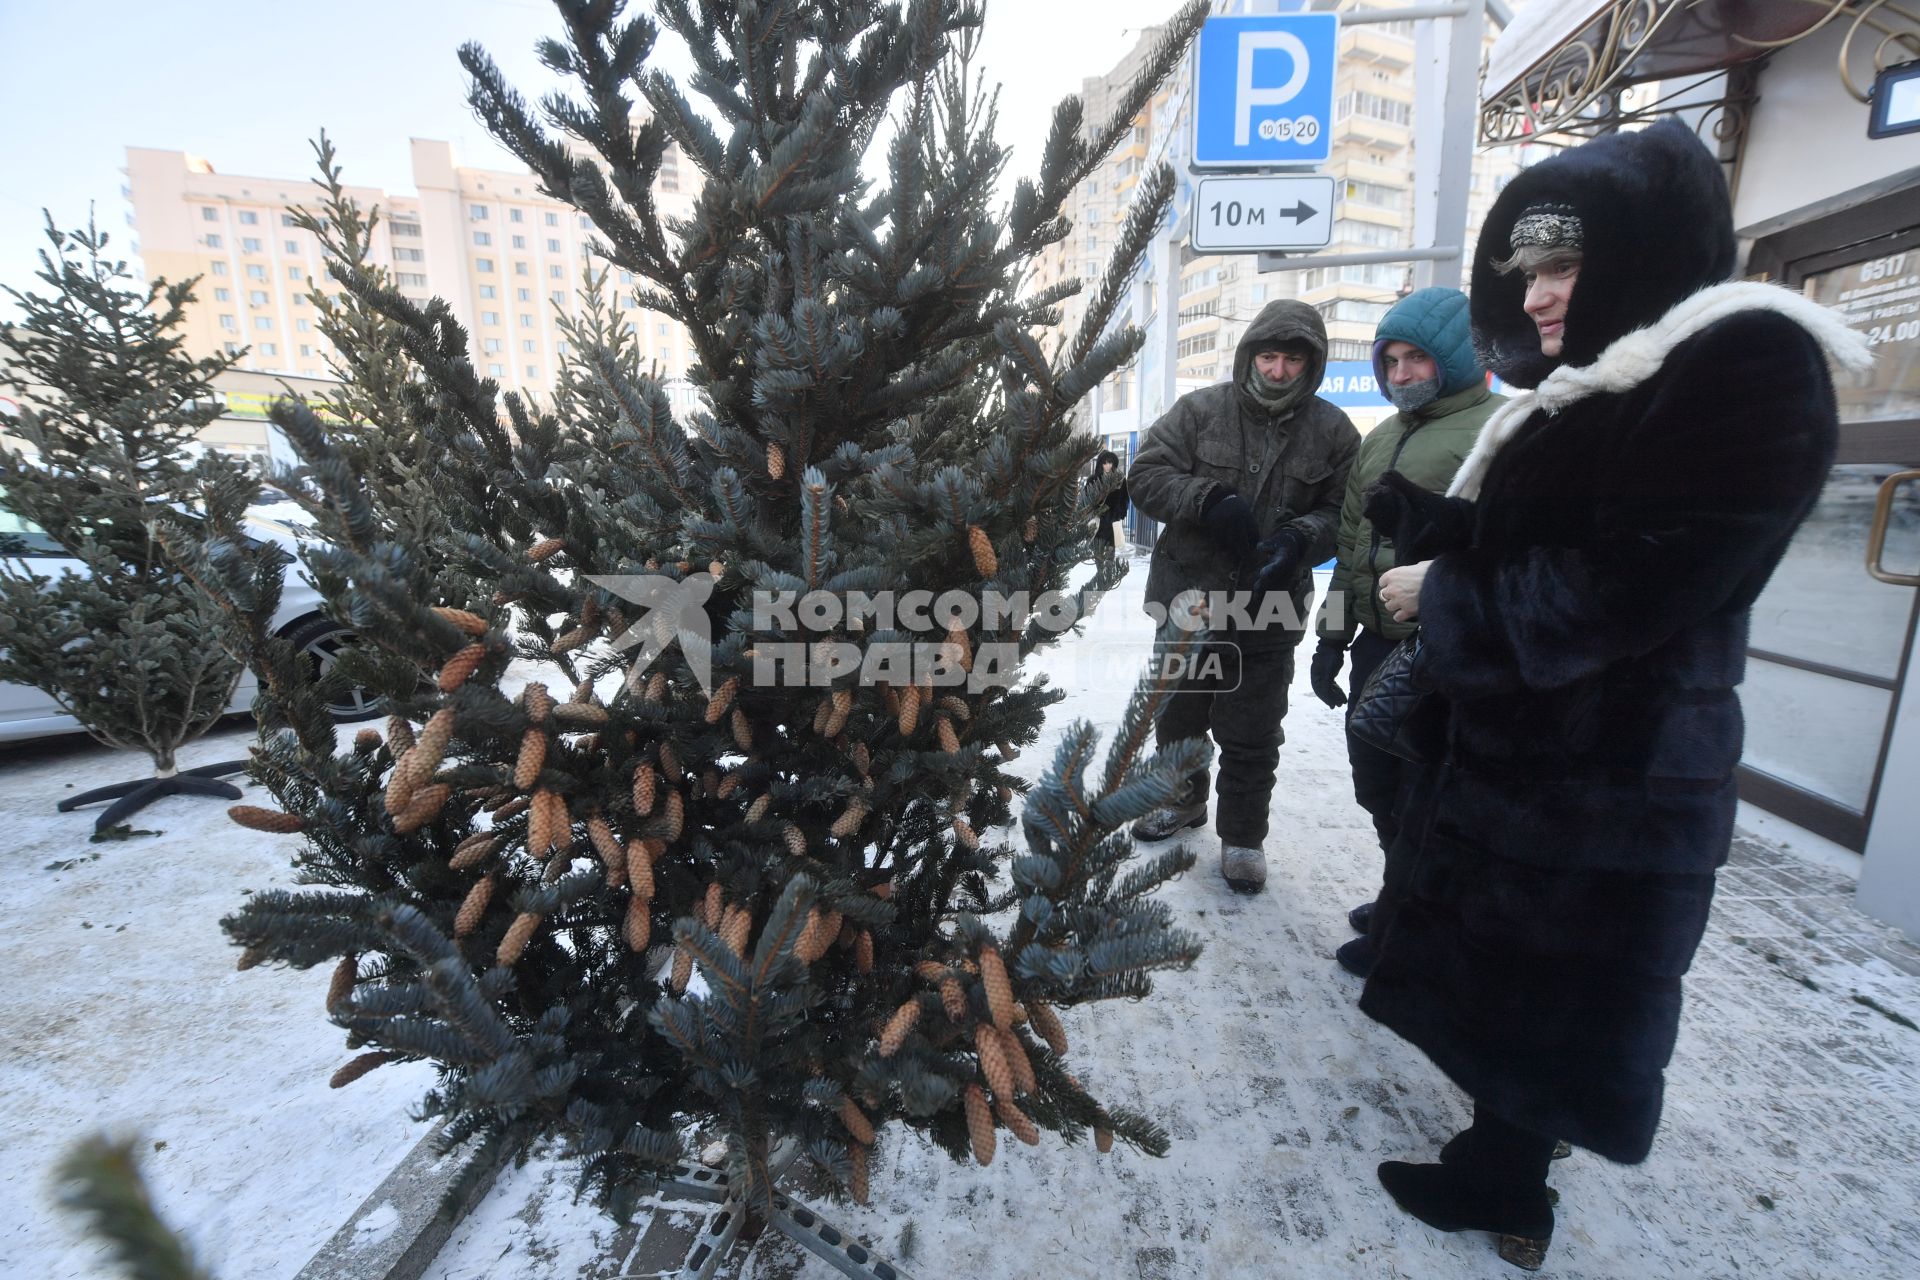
{"type": "Point", "coordinates": [1831, 641]}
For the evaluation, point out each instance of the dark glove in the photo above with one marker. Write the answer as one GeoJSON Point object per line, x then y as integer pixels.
{"type": "Point", "coordinates": [1231, 521]}
{"type": "Point", "coordinates": [1323, 673]}
{"type": "Point", "coordinates": [1422, 524]}
{"type": "Point", "coordinates": [1279, 558]}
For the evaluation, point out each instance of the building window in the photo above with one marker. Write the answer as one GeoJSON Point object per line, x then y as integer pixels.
{"type": "Point", "coordinates": [1376, 196]}
{"type": "Point", "coordinates": [1349, 349]}
{"type": "Point", "coordinates": [1198, 343]}
{"type": "Point", "coordinates": [528, 345]}
{"type": "Point", "coordinates": [213, 242]}
{"type": "Point", "coordinates": [1347, 231]}
{"type": "Point", "coordinates": [483, 264]}
{"type": "Point", "coordinates": [223, 295]}
{"type": "Point", "coordinates": [293, 273]}
{"type": "Point", "coordinates": [219, 268]}
{"type": "Point", "coordinates": [489, 317]}
{"type": "Point", "coordinates": [1353, 310]}
{"type": "Point", "coordinates": [554, 272]}
{"type": "Point", "coordinates": [523, 295]}
{"type": "Point", "coordinates": [477, 212]}
{"type": "Point", "coordinates": [553, 246]}
{"type": "Point", "coordinates": [519, 242]}
{"type": "Point", "coordinates": [230, 324]}
{"type": "Point", "coordinates": [488, 291]}
{"type": "Point", "coordinates": [257, 298]}
{"type": "Point", "coordinates": [1373, 106]}
{"type": "Point", "coordinates": [299, 299]}
{"type": "Point", "coordinates": [288, 220]}
{"type": "Point", "coordinates": [263, 323]}
{"type": "Point", "coordinates": [410, 279]}
{"type": "Point", "coordinates": [209, 215]}
{"type": "Point", "coordinates": [526, 321]}
{"type": "Point", "coordinates": [304, 326]}
{"type": "Point", "coordinates": [248, 218]}
{"type": "Point", "coordinates": [533, 372]}
{"type": "Point", "coordinates": [255, 271]}
{"type": "Point", "coordinates": [291, 246]}
{"type": "Point", "coordinates": [249, 244]}
{"type": "Point", "coordinates": [558, 297]}
{"type": "Point", "coordinates": [269, 349]}
{"type": "Point", "coordinates": [522, 269]}
{"type": "Point", "coordinates": [514, 215]}
{"type": "Point", "coordinates": [482, 238]}
{"type": "Point", "coordinates": [233, 348]}
{"type": "Point", "coordinates": [404, 228]}
{"type": "Point", "coordinates": [495, 370]}
{"type": "Point", "coordinates": [553, 219]}
{"type": "Point", "coordinates": [493, 346]}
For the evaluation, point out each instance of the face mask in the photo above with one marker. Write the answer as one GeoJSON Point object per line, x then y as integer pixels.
{"type": "Point", "coordinates": [1413, 396]}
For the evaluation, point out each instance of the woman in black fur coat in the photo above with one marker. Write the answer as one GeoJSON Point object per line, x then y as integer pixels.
{"type": "Point", "coordinates": [1583, 600]}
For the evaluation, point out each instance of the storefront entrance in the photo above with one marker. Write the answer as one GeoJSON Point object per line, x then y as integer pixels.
{"type": "Point", "coordinates": [1832, 642]}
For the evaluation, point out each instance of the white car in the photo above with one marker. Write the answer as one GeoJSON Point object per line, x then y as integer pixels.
{"type": "Point", "coordinates": [26, 712]}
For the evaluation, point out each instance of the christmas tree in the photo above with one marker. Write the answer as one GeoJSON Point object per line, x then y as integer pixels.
{"type": "Point", "coordinates": [111, 408]}
{"type": "Point", "coordinates": [724, 862]}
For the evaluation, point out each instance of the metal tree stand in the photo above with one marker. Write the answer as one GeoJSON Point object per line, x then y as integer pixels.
{"type": "Point", "coordinates": [131, 797]}
{"type": "Point", "coordinates": [795, 1220]}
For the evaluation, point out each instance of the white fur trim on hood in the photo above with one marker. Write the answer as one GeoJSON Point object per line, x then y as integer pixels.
{"type": "Point", "coordinates": [1639, 355]}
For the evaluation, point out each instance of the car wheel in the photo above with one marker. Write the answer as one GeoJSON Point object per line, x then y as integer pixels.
{"type": "Point", "coordinates": [321, 640]}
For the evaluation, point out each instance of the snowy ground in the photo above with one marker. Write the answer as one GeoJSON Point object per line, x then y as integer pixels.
{"type": "Point", "coordinates": [1793, 1105]}
{"type": "Point", "coordinates": [124, 1013]}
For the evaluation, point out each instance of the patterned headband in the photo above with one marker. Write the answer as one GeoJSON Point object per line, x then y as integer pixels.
{"type": "Point", "coordinates": [1546, 226]}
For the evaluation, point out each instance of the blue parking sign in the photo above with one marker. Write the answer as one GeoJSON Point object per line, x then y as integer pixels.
{"type": "Point", "coordinates": [1263, 90]}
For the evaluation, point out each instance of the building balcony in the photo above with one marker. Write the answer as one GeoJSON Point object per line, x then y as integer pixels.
{"type": "Point", "coordinates": [1376, 48]}
{"type": "Point", "coordinates": [1371, 132]}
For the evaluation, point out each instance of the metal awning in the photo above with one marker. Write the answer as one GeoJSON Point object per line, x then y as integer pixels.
{"type": "Point", "coordinates": [1563, 63]}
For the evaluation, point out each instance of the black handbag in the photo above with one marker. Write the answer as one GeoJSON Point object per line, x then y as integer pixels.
{"type": "Point", "coordinates": [1391, 715]}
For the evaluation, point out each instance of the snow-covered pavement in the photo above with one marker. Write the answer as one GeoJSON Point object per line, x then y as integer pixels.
{"type": "Point", "coordinates": [1787, 1151]}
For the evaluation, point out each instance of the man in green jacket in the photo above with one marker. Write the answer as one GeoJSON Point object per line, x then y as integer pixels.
{"type": "Point", "coordinates": [1424, 361]}
{"type": "Point", "coordinates": [1247, 476]}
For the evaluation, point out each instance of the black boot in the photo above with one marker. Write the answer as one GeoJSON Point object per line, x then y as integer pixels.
{"type": "Point", "coordinates": [1456, 1148]}
{"type": "Point", "coordinates": [1357, 956]}
{"type": "Point", "coordinates": [1495, 1181]}
{"type": "Point", "coordinates": [1449, 1197]}
{"type": "Point", "coordinates": [1361, 917]}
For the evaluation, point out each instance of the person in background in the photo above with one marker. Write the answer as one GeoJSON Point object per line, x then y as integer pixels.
{"type": "Point", "coordinates": [1583, 593]}
{"type": "Point", "coordinates": [1424, 363]}
{"type": "Point", "coordinates": [1113, 508]}
{"type": "Point", "coordinates": [1247, 476]}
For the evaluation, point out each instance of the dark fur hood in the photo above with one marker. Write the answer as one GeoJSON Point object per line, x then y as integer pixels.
{"type": "Point", "coordinates": [1658, 227]}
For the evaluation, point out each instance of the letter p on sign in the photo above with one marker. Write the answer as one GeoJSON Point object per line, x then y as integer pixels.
{"type": "Point", "coordinates": [1248, 96]}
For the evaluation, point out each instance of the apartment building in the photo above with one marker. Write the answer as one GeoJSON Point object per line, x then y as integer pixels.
{"type": "Point", "coordinates": [1218, 294]}
{"type": "Point", "coordinates": [507, 258]}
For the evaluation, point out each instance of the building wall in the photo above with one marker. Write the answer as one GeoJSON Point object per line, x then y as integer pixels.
{"type": "Point", "coordinates": [502, 254]}
{"type": "Point", "coordinates": [1804, 112]}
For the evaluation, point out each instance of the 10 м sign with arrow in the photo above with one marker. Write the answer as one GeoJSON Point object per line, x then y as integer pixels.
{"type": "Point", "coordinates": [1248, 214]}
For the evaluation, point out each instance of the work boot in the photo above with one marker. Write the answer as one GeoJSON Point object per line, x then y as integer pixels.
{"type": "Point", "coordinates": [1361, 917]}
{"type": "Point", "coordinates": [1245, 869]}
{"type": "Point", "coordinates": [1357, 957]}
{"type": "Point", "coordinates": [1169, 820]}
{"type": "Point", "coordinates": [1457, 1197]}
